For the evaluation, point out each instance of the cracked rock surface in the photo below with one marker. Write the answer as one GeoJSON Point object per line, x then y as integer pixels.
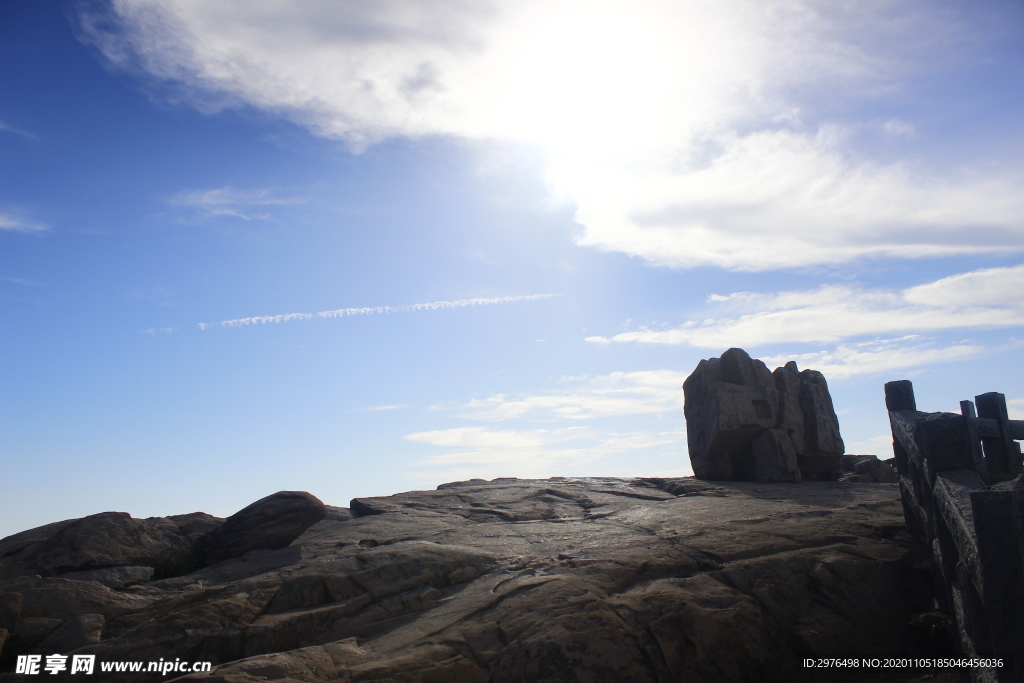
{"type": "Point", "coordinates": [529, 580]}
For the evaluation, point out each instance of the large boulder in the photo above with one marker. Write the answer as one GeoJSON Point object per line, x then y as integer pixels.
{"type": "Point", "coordinates": [269, 523]}
{"type": "Point", "coordinates": [107, 539]}
{"type": "Point", "coordinates": [744, 422]}
{"type": "Point", "coordinates": [729, 402]}
{"type": "Point", "coordinates": [110, 547]}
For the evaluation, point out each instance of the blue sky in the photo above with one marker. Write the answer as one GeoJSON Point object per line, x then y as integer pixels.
{"type": "Point", "coordinates": [530, 219]}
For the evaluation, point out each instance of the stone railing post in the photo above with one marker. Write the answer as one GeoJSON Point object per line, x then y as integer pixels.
{"type": "Point", "coordinates": [1002, 453]}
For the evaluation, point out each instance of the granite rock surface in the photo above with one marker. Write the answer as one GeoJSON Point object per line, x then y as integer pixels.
{"type": "Point", "coordinates": [522, 580]}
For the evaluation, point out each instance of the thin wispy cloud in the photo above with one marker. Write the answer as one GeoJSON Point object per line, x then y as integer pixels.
{"type": "Point", "coordinates": [389, 407]}
{"type": "Point", "coordinates": [152, 332]}
{"type": "Point", "coordinates": [684, 146]}
{"type": "Point", "coordinates": [373, 310]}
{"type": "Point", "coordinates": [228, 201]}
{"type": "Point", "coordinates": [17, 223]}
{"type": "Point", "coordinates": [8, 128]}
{"type": "Point", "coordinates": [18, 281]}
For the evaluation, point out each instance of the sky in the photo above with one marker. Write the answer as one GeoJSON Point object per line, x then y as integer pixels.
{"type": "Point", "coordinates": [362, 248]}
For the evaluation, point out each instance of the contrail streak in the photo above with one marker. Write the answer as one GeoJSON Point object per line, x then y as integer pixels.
{"type": "Point", "coordinates": [342, 312]}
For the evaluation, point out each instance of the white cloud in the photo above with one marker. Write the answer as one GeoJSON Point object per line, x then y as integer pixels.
{"type": "Point", "coordinates": [783, 199]}
{"type": "Point", "coordinates": [9, 221]}
{"type": "Point", "coordinates": [390, 407]}
{"type": "Point", "coordinates": [880, 355]}
{"type": "Point", "coordinates": [158, 330]}
{"type": "Point", "coordinates": [835, 315]}
{"type": "Point", "coordinates": [616, 394]}
{"type": "Point", "coordinates": [228, 201]}
{"type": "Point", "coordinates": [539, 453]}
{"type": "Point", "coordinates": [675, 128]}
{"type": "Point", "coordinates": [986, 287]}
{"type": "Point", "coordinates": [982, 299]}
{"type": "Point", "coordinates": [567, 448]}
{"type": "Point", "coordinates": [344, 312]}
{"type": "Point", "coordinates": [1015, 408]}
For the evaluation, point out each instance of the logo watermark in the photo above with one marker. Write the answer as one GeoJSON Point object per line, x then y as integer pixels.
{"type": "Point", "coordinates": [86, 664]}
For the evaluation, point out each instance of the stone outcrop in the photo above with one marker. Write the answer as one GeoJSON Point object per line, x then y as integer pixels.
{"type": "Point", "coordinates": [269, 523]}
{"type": "Point", "coordinates": [522, 580]}
{"type": "Point", "coordinates": [103, 540]}
{"type": "Point", "coordinates": [116, 550]}
{"type": "Point", "coordinates": [745, 423]}
{"type": "Point", "coordinates": [962, 488]}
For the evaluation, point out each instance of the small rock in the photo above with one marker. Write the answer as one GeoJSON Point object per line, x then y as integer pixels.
{"type": "Point", "coordinates": [868, 469]}
{"type": "Point", "coordinates": [269, 523]}
{"type": "Point", "coordinates": [876, 470]}
{"type": "Point", "coordinates": [849, 462]}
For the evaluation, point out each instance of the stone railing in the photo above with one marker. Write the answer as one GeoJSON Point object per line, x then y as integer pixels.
{"type": "Point", "coordinates": [960, 478]}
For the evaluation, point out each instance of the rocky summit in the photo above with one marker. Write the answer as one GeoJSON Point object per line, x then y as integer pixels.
{"type": "Point", "coordinates": [508, 580]}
